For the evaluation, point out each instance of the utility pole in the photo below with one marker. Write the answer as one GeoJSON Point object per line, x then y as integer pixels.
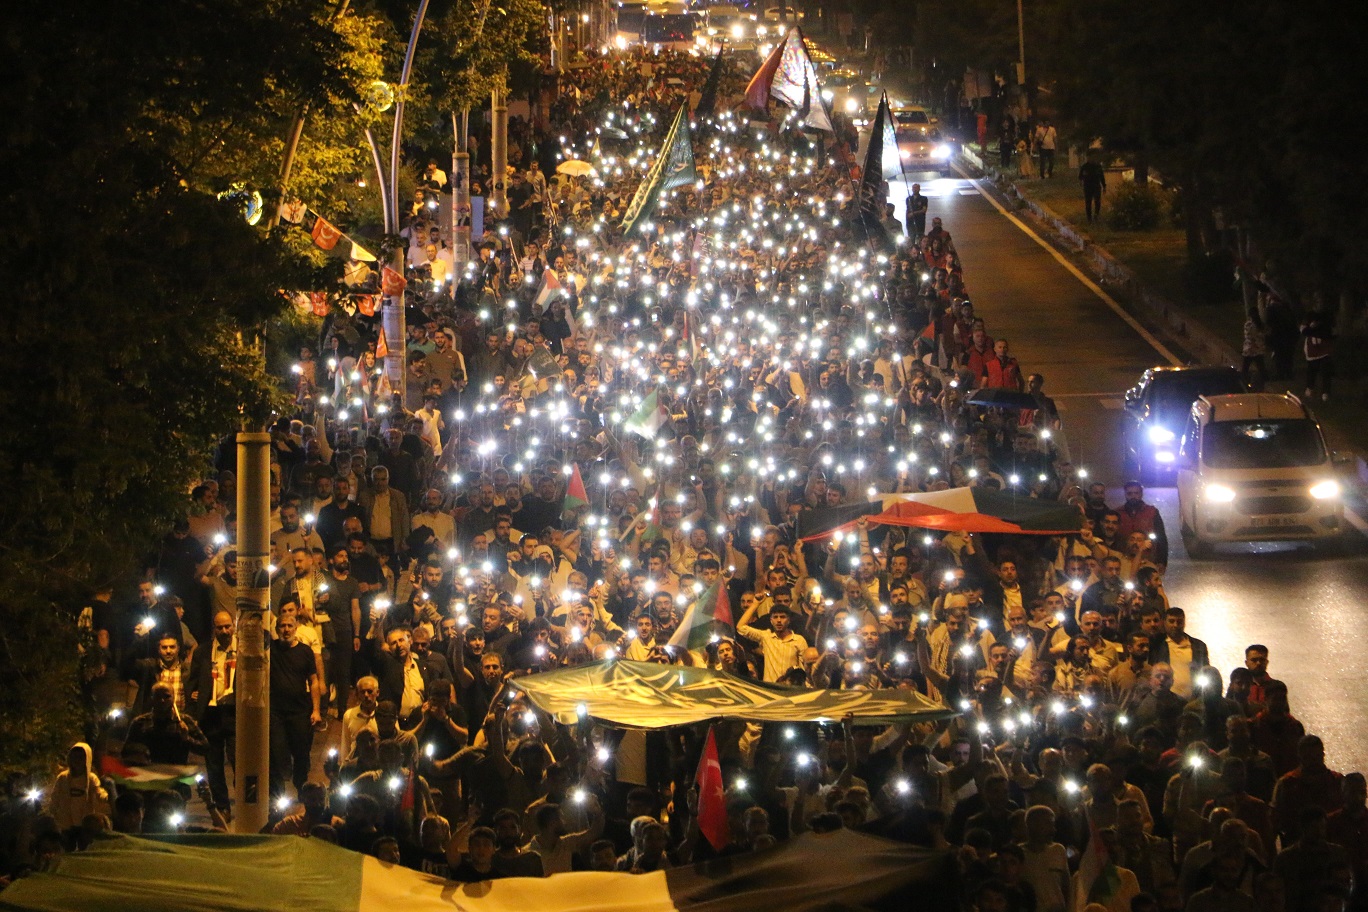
{"type": "Point", "coordinates": [1021, 47]}
{"type": "Point", "coordinates": [498, 196]}
{"type": "Point", "coordinates": [252, 685]}
{"type": "Point", "coordinates": [460, 196]}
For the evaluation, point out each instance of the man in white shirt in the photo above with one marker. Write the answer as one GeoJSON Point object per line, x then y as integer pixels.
{"type": "Point", "coordinates": [436, 519]}
{"type": "Point", "coordinates": [360, 717]}
{"type": "Point", "coordinates": [781, 647]}
{"type": "Point", "coordinates": [639, 649]}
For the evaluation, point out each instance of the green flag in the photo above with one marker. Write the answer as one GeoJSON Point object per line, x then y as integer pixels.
{"type": "Point", "coordinates": [674, 167]}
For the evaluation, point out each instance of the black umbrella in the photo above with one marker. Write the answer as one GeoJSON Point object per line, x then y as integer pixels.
{"type": "Point", "coordinates": [992, 397]}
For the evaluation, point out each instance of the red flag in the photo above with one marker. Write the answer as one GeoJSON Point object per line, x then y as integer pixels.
{"type": "Point", "coordinates": [324, 234]}
{"type": "Point", "coordinates": [758, 91]}
{"type": "Point", "coordinates": [319, 301]}
{"type": "Point", "coordinates": [381, 346]}
{"type": "Point", "coordinates": [366, 304]}
{"type": "Point", "coordinates": [712, 799]}
{"type": "Point", "coordinates": [392, 283]}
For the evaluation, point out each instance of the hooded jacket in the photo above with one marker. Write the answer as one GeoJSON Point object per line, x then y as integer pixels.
{"type": "Point", "coordinates": [73, 798]}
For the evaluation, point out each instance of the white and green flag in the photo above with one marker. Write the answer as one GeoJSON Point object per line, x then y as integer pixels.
{"type": "Point", "coordinates": [674, 167]}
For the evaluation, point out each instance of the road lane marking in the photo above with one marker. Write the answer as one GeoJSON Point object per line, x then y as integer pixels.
{"type": "Point", "coordinates": [968, 192]}
{"type": "Point", "coordinates": [1077, 273]}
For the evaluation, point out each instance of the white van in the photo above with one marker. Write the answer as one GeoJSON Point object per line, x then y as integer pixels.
{"type": "Point", "coordinates": [1254, 467]}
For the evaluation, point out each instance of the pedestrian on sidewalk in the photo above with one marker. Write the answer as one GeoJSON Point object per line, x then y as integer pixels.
{"type": "Point", "coordinates": [1006, 140]}
{"type": "Point", "coordinates": [1318, 345]}
{"type": "Point", "coordinates": [1253, 349]}
{"type": "Point", "coordinates": [1025, 170]}
{"type": "Point", "coordinates": [1047, 138]}
{"type": "Point", "coordinates": [1093, 177]}
{"type": "Point", "coordinates": [916, 213]}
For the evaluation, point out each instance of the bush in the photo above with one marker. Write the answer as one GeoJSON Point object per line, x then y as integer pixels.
{"type": "Point", "coordinates": [1136, 207]}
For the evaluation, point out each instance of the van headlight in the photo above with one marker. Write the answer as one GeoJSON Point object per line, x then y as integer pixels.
{"type": "Point", "coordinates": [1158, 435]}
{"type": "Point", "coordinates": [1219, 493]}
{"type": "Point", "coordinates": [852, 105]}
{"type": "Point", "coordinates": [828, 95]}
{"type": "Point", "coordinates": [1326, 490]}
{"type": "Point", "coordinates": [941, 152]}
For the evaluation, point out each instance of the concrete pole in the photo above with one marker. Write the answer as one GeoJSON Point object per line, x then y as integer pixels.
{"type": "Point", "coordinates": [252, 686]}
{"type": "Point", "coordinates": [498, 160]}
{"type": "Point", "coordinates": [460, 194]}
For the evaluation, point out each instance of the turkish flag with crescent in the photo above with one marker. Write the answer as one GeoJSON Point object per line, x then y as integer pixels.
{"type": "Point", "coordinates": [366, 304]}
{"type": "Point", "coordinates": [712, 796]}
{"type": "Point", "coordinates": [381, 346]}
{"type": "Point", "coordinates": [319, 301]}
{"type": "Point", "coordinates": [392, 282]}
{"type": "Point", "coordinates": [324, 234]}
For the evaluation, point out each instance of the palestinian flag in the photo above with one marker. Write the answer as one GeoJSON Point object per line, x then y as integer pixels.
{"type": "Point", "coordinates": [222, 873]}
{"type": "Point", "coordinates": [758, 89]}
{"type": "Point", "coordinates": [551, 288]}
{"type": "Point", "coordinates": [1098, 880]}
{"type": "Point", "coordinates": [674, 167]}
{"type": "Point", "coordinates": [575, 494]}
{"type": "Point", "coordinates": [952, 510]}
{"type": "Point", "coordinates": [149, 777]}
{"type": "Point", "coordinates": [648, 419]}
{"type": "Point", "coordinates": [696, 627]}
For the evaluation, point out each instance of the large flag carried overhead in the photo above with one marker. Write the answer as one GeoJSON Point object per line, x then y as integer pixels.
{"type": "Point", "coordinates": [707, 100]}
{"type": "Point", "coordinates": [789, 76]}
{"type": "Point", "coordinates": [892, 158]}
{"type": "Point", "coordinates": [222, 873]}
{"type": "Point", "coordinates": [674, 167]}
{"type": "Point", "coordinates": [645, 695]}
{"type": "Point", "coordinates": [872, 199]}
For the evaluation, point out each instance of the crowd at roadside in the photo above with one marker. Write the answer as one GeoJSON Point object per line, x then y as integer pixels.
{"type": "Point", "coordinates": [597, 432]}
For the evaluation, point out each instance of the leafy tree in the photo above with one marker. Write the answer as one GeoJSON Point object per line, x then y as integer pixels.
{"type": "Point", "coordinates": [131, 288]}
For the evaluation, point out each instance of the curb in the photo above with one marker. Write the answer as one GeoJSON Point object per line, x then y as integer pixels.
{"type": "Point", "coordinates": [1199, 341]}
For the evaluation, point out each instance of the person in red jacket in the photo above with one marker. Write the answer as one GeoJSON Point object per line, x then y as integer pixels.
{"type": "Point", "coordinates": [1138, 516]}
{"type": "Point", "coordinates": [1002, 371]}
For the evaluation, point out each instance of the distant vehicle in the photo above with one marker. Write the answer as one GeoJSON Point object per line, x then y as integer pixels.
{"type": "Point", "coordinates": [845, 91]}
{"type": "Point", "coordinates": [1156, 408]}
{"type": "Point", "coordinates": [668, 26]}
{"type": "Point", "coordinates": [631, 14]}
{"type": "Point", "coordinates": [789, 14]}
{"type": "Point", "coordinates": [731, 24]}
{"type": "Point", "coordinates": [921, 148]}
{"type": "Point", "coordinates": [1254, 467]}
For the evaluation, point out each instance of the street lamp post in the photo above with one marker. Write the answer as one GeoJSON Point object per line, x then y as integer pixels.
{"type": "Point", "coordinates": [392, 313]}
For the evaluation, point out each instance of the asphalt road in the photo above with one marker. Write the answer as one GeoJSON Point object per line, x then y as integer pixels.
{"type": "Point", "coordinates": [1309, 607]}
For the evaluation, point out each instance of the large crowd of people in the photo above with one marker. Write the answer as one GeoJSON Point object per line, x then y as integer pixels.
{"type": "Point", "coordinates": [597, 429]}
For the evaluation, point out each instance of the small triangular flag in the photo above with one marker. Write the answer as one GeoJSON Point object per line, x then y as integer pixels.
{"type": "Point", "coordinates": [361, 253]}
{"type": "Point", "coordinates": [293, 211]}
{"type": "Point", "coordinates": [575, 493]}
{"type": "Point", "coordinates": [381, 346]}
{"type": "Point", "coordinates": [325, 235]}
{"type": "Point", "coordinates": [392, 283]}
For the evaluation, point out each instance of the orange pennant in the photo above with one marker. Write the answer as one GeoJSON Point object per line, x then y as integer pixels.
{"type": "Point", "coordinates": [325, 235]}
{"type": "Point", "coordinates": [366, 304]}
{"type": "Point", "coordinates": [381, 346]}
{"type": "Point", "coordinates": [392, 283]}
{"type": "Point", "coordinates": [319, 301]}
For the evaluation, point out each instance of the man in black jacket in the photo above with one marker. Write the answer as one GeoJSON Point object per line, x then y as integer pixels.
{"type": "Point", "coordinates": [1188, 655]}
{"type": "Point", "coordinates": [406, 676]}
{"type": "Point", "coordinates": [213, 674]}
